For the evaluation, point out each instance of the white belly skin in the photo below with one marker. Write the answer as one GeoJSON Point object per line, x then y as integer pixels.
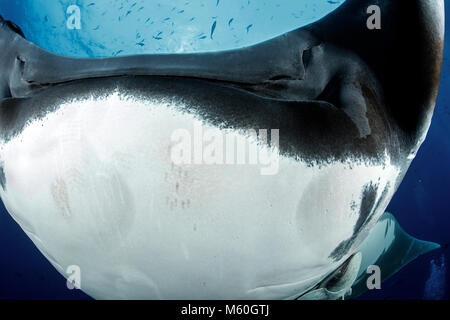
{"type": "Point", "coordinates": [93, 185]}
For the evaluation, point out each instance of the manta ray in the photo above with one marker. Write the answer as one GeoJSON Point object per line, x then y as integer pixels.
{"type": "Point", "coordinates": [86, 165]}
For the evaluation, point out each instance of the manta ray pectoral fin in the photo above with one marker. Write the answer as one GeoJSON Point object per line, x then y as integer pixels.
{"type": "Point", "coordinates": [387, 247]}
{"type": "Point", "coordinates": [390, 248]}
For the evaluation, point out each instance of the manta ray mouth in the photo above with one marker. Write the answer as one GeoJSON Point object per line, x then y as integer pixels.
{"type": "Point", "coordinates": [277, 88]}
{"type": "Point", "coordinates": [288, 85]}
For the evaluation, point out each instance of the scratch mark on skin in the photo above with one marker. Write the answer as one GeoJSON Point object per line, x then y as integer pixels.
{"type": "Point", "coordinates": [61, 197]}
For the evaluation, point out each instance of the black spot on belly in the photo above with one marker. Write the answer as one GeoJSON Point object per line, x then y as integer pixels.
{"type": "Point", "coordinates": [2, 177]}
{"type": "Point", "coordinates": [367, 210]}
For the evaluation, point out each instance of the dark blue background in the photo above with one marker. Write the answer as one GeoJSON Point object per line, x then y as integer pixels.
{"type": "Point", "coordinates": [421, 205]}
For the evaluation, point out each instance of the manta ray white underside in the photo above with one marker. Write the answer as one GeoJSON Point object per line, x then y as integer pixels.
{"type": "Point", "coordinates": [89, 190]}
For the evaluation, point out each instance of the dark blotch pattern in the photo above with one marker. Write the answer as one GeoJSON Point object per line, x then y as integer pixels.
{"type": "Point", "coordinates": [2, 177]}
{"type": "Point", "coordinates": [368, 207]}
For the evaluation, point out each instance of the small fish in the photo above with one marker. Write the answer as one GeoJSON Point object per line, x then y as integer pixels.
{"type": "Point", "coordinates": [91, 4]}
{"type": "Point", "coordinates": [181, 11]}
{"type": "Point", "coordinates": [157, 38]}
{"type": "Point", "coordinates": [117, 52]}
{"type": "Point", "coordinates": [166, 19]}
{"type": "Point", "coordinates": [230, 21]}
{"type": "Point", "coordinates": [213, 28]}
{"type": "Point", "coordinates": [202, 37]}
{"type": "Point", "coordinates": [217, 4]}
{"type": "Point", "coordinates": [249, 27]}
{"type": "Point", "coordinates": [148, 19]}
{"type": "Point", "coordinates": [192, 19]}
{"type": "Point", "coordinates": [140, 43]}
{"type": "Point", "coordinates": [133, 5]}
{"type": "Point", "coordinates": [128, 12]}
{"type": "Point", "coordinates": [96, 28]}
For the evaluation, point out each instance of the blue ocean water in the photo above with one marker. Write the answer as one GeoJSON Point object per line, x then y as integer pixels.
{"type": "Point", "coordinates": [122, 27]}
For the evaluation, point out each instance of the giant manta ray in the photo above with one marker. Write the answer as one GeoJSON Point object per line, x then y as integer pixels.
{"type": "Point", "coordinates": [86, 167]}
